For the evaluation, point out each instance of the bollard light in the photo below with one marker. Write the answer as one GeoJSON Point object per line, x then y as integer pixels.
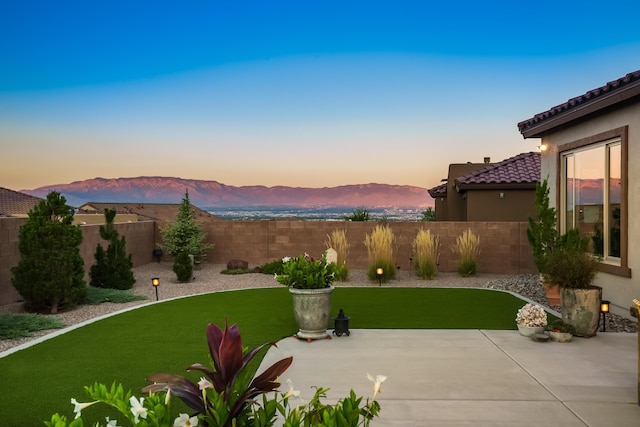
{"type": "Point", "coordinates": [341, 324]}
{"type": "Point", "coordinates": [379, 273]}
{"type": "Point", "coordinates": [604, 309]}
{"type": "Point", "coordinates": [156, 282]}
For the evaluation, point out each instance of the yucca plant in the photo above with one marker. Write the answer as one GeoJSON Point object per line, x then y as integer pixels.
{"type": "Point", "coordinates": [338, 241]}
{"type": "Point", "coordinates": [380, 245]}
{"type": "Point", "coordinates": [467, 248]}
{"type": "Point", "coordinates": [426, 252]}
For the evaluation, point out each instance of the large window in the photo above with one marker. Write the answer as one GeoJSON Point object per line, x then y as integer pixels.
{"type": "Point", "coordinates": [593, 195]}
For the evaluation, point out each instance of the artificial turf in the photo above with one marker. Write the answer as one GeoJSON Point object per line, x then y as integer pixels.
{"type": "Point", "coordinates": [168, 337]}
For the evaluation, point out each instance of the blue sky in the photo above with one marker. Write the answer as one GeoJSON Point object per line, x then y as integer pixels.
{"type": "Point", "coordinates": [296, 93]}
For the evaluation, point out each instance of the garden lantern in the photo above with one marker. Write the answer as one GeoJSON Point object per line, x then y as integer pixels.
{"type": "Point", "coordinates": [156, 282]}
{"type": "Point", "coordinates": [379, 273]}
{"type": "Point", "coordinates": [604, 309]}
{"type": "Point", "coordinates": [341, 325]}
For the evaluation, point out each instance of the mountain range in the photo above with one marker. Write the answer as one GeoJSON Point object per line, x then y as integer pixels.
{"type": "Point", "coordinates": [205, 194]}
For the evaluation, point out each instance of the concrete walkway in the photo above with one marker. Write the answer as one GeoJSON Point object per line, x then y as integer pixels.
{"type": "Point", "coordinates": [474, 377]}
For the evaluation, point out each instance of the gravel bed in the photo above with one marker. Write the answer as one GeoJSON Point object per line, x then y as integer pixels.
{"type": "Point", "coordinates": [207, 278]}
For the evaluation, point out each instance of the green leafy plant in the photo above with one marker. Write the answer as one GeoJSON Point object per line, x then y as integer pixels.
{"type": "Point", "coordinates": [569, 265]}
{"type": "Point", "coordinates": [559, 325]}
{"type": "Point", "coordinates": [50, 273]}
{"type": "Point", "coordinates": [380, 243]}
{"type": "Point", "coordinates": [183, 267]}
{"type": "Point", "coordinates": [426, 252]}
{"type": "Point", "coordinates": [541, 233]}
{"type": "Point", "coordinates": [467, 248]}
{"type": "Point", "coordinates": [302, 272]}
{"type": "Point", "coordinates": [273, 267]}
{"type": "Point", "coordinates": [428, 215]}
{"type": "Point", "coordinates": [237, 271]}
{"type": "Point", "coordinates": [337, 240]}
{"type": "Point", "coordinates": [358, 214]}
{"type": "Point", "coordinates": [95, 296]}
{"type": "Point", "coordinates": [113, 267]}
{"type": "Point", "coordinates": [184, 237]}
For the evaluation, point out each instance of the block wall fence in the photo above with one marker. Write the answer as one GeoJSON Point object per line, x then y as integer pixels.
{"type": "Point", "coordinates": [504, 248]}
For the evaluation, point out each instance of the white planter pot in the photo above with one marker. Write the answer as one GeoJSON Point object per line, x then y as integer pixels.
{"type": "Point", "coordinates": [527, 331]}
{"type": "Point", "coordinates": [312, 308]}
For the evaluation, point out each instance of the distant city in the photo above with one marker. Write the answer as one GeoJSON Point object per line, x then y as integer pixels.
{"type": "Point", "coordinates": [314, 214]}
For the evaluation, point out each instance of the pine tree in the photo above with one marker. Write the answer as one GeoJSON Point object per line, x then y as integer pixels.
{"type": "Point", "coordinates": [50, 273]}
{"type": "Point", "coordinates": [113, 267]}
{"type": "Point", "coordinates": [542, 233]}
{"type": "Point", "coordinates": [184, 237]}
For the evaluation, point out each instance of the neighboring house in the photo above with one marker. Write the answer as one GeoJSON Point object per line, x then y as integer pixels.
{"type": "Point", "coordinates": [153, 211]}
{"type": "Point", "coordinates": [592, 160]}
{"type": "Point", "coordinates": [16, 204]}
{"type": "Point", "coordinates": [503, 191]}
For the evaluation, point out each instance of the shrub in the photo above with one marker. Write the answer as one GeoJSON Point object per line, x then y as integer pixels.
{"type": "Point", "coordinates": [467, 248]}
{"type": "Point", "coordinates": [183, 267]}
{"type": "Point", "coordinates": [50, 273]}
{"type": "Point", "coordinates": [428, 215]}
{"type": "Point", "coordinates": [273, 267]}
{"type": "Point", "coordinates": [97, 296]}
{"type": "Point", "coordinates": [22, 325]}
{"type": "Point", "coordinates": [426, 252]}
{"type": "Point", "coordinates": [358, 214]}
{"type": "Point", "coordinates": [380, 253]}
{"type": "Point", "coordinates": [338, 241]}
{"type": "Point", "coordinates": [113, 267]}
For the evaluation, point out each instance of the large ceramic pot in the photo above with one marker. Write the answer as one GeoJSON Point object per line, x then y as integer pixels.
{"type": "Point", "coordinates": [312, 308]}
{"type": "Point", "coordinates": [581, 308]}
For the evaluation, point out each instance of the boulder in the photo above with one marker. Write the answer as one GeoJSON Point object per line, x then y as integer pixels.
{"type": "Point", "coordinates": [237, 264]}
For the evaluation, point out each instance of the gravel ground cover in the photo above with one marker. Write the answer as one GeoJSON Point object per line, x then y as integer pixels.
{"type": "Point", "coordinates": [207, 278]}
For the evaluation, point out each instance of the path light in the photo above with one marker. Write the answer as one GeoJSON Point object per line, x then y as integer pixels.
{"type": "Point", "coordinates": [156, 282]}
{"type": "Point", "coordinates": [604, 309]}
{"type": "Point", "coordinates": [341, 323]}
{"type": "Point", "coordinates": [379, 273]}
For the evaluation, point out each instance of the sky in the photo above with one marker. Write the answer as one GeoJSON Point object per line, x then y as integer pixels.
{"type": "Point", "coordinates": [295, 93]}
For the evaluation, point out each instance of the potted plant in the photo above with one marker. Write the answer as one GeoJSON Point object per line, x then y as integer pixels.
{"type": "Point", "coordinates": [543, 238]}
{"type": "Point", "coordinates": [309, 282]}
{"type": "Point", "coordinates": [573, 269]}
{"type": "Point", "coordinates": [560, 331]}
{"type": "Point", "coordinates": [531, 319]}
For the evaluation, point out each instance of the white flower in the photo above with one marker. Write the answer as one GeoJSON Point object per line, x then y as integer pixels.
{"type": "Point", "coordinates": [167, 398]}
{"type": "Point", "coordinates": [377, 382]}
{"type": "Point", "coordinates": [532, 315]}
{"type": "Point", "coordinates": [291, 392]}
{"type": "Point", "coordinates": [78, 407]}
{"type": "Point", "coordinates": [286, 259]}
{"type": "Point", "coordinates": [112, 423]}
{"type": "Point", "coordinates": [184, 421]}
{"type": "Point", "coordinates": [204, 383]}
{"type": "Point", "coordinates": [137, 409]}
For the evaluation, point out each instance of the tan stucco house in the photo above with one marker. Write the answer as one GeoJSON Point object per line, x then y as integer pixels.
{"type": "Point", "coordinates": [503, 191]}
{"type": "Point", "coordinates": [592, 160]}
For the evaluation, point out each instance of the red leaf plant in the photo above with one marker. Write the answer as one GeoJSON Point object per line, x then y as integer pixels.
{"type": "Point", "coordinates": [229, 388]}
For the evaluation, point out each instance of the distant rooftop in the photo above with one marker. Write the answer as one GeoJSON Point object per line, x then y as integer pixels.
{"type": "Point", "coordinates": [523, 169]}
{"type": "Point", "coordinates": [155, 211]}
{"type": "Point", "coordinates": [14, 203]}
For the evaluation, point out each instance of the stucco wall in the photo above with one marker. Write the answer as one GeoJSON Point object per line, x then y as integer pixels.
{"type": "Point", "coordinates": [488, 205]}
{"type": "Point", "coordinates": [619, 290]}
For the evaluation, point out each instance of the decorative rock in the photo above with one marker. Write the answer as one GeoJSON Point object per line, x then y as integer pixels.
{"type": "Point", "coordinates": [237, 264]}
{"type": "Point", "coordinates": [332, 256]}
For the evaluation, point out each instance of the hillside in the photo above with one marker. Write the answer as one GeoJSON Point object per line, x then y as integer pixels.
{"type": "Point", "coordinates": [205, 194]}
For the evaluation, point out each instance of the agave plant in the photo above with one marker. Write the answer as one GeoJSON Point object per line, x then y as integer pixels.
{"type": "Point", "coordinates": [231, 379]}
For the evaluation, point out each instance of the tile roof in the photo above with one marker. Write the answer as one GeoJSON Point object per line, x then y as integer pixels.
{"type": "Point", "coordinates": [438, 191]}
{"type": "Point", "coordinates": [614, 92]}
{"type": "Point", "coordinates": [156, 211]}
{"type": "Point", "coordinates": [521, 169]}
{"type": "Point", "coordinates": [14, 203]}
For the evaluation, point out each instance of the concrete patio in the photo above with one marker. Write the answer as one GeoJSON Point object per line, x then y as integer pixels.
{"type": "Point", "coordinates": [474, 377]}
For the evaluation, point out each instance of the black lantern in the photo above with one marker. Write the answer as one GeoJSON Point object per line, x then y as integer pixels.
{"type": "Point", "coordinates": [379, 273]}
{"type": "Point", "coordinates": [156, 282]}
{"type": "Point", "coordinates": [604, 309]}
{"type": "Point", "coordinates": [341, 324]}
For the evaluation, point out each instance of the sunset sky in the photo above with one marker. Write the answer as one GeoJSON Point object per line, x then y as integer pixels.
{"type": "Point", "coordinates": [296, 93]}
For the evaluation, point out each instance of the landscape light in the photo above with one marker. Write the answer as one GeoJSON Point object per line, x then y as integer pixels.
{"type": "Point", "coordinates": [379, 273]}
{"type": "Point", "coordinates": [341, 324]}
{"type": "Point", "coordinates": [156, 282]}
{"type": "Point", "coordinates": [604, 309]}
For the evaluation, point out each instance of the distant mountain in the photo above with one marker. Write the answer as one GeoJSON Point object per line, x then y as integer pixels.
{"type": "Point", "coordinates": [206, 194]}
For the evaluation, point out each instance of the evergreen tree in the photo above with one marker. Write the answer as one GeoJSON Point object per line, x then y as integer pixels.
{"type": "Point", "coordinates": [113, 267]}
{"type": "Point", "coordinates": [50, 273]}
{"type": "Point", "coordinates": [542, 233]}
{"type": "Point", "coordinates": [184, 237]}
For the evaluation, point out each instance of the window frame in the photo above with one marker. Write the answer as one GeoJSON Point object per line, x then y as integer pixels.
{"type": "Point", "coordinates": [619, 135]}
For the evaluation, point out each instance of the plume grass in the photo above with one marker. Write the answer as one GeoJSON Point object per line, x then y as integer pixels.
{"type": "Point", "coordinates": [380, 244]}
{"type": "Point", "coordinates": [337, 240]}
{"type": "Point", "coordinates": [467, 248]}
{"type": "Point", "coordinates": [426, 252]}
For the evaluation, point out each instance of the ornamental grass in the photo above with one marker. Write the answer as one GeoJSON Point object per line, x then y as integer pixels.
{"type": "Point", "coordinates": [426, 252]}
{"type": "Point", "coordinates": [337, 240]}
{"type": "Point", "coordinates": [467, 248]}
{"type": "Point", "coordinates": [380, 245]}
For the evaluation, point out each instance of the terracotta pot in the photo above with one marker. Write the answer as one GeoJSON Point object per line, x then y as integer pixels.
{"type": "Point", "coordinates": [581, 308]}
{"type": "Point", "coordinates": [312, 308]}
{"type": "Point", "coordinates": [552, 291]}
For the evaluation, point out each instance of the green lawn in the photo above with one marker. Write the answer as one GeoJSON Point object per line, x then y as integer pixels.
{"type": "Point", "coordinates": [168, 337]}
